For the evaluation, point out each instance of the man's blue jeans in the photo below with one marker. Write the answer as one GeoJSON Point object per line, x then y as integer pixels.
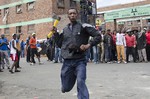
{"type": "Point", "coordinates": [58, 54]}
{"type": "Point", "coordinates": [96, 54]}
{"type": "Point", "coordinates": [108, 55]}
{"type": "Point", "coordinates": [72, 70]}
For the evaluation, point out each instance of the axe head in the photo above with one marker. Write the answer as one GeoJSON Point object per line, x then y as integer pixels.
{"type": "Point", "coordinates": [56, 17]}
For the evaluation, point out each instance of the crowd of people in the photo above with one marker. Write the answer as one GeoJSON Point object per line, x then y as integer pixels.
{"type": "Point", "coordinates": [16, 49]}
{"type": "Point", "coordinates": [122, 46]}
{"type": "Point", "coordinates": [115, 46]}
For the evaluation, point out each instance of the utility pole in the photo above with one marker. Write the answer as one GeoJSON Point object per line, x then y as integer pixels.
{"type": "Point", "coordinates": [95, 12]}
{"type": "Point", "coordinates": [83, 11]}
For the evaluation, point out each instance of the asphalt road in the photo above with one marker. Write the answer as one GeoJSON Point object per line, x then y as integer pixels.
{"type": "Point", "coordinates": [104, 81]}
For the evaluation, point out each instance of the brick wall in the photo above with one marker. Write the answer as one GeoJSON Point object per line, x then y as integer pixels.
{"type": "Point", "coordinates": [42, 9]}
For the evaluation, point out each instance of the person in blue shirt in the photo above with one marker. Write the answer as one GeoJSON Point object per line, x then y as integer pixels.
{"type": "Point", "coordinates": [4, 50]}
{"type": "Point", "coordinates": [22, 49]}
{"type": "Point", "coordinates": [38, 46]}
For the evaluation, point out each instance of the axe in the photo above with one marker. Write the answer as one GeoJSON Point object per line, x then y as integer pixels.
{"type": "Point", "coordinates": [56, 21]}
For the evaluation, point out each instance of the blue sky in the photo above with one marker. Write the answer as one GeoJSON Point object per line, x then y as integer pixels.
{"type": "Point", "coordinates": [102, 3]}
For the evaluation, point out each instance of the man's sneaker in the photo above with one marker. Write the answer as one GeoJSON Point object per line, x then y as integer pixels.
{"type": "Point", "coordinates": [1, 70]}
{"type": "Point", "coordinates": [32, 63]}
{"type": "Point", "coordinates": [17, 71]}
{"type": "Point", "coordinates": [125, 62]}
{"type": "Point", "coordinates": [118, 62]}
{"type": "Point", "coordinates": [109, 62]}
{"type": "Point", "coordinates": [40, 63]}
{"type": "Point", "coordinates": [11, 71]}
{"type": "Point", "coordinates": [55, 61]}
{"type": "Point", "coordinates": [62, 90]}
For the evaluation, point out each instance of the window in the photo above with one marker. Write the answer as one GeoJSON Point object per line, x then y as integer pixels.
{"type": "Point", "coordinates": [5, 20]}
{"type": "Point", "coordinates": [31, 28]}
{"type": "Point", "coordinates": [73, 3]}
{"type": "Point", "coordinates": [0, 31]}
{"type": "Point", "coordinates": [60, 3]}
{"type": "Point", "coordinates": [148, 21]}
{"type": "Point", "coordinates": [129, 23]}
{"type": "Point", "coordinates": [18, 29]}
{"type": "Point", "coordinates": [6, 10]}
{"type": "Point", "coordinates": [30, 6]}
{"type": "Point", "coordinates": [18, 9]}
{"type": "Point", "coordinates": [6, 31]}
{"type": "Point", "coordinates": [138, 21]}
{"type": "Point", "coordinates": [0, 12]}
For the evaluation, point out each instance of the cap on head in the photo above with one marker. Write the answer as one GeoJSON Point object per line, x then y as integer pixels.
{"type": "Point", "coordinates": [108, 30]}
{"type": "Point", "coordinates": [14, 34]}
{"type": "Point", "coordinates": [2, 35]}
{"type": "Point", "coordinates": [33, 34]}
{"type": "Point", "coordinates": [129, 30]}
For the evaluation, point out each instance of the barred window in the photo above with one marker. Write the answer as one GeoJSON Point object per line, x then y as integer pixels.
{"type": "Point", "coordinates": [6, 10]}
{"type": "Point", "coordinates": [0, 12]}
{"type": "Point", "coordinates": [73, 3]}
{"type": "Point", "coordinates": [129, 23]}
{"type": "Point", "coordinates": [5, 19]}
{"type": "Point", "coordinates": [148, 21]}
{"type": "Point", "coordinates": [138, 21]}
{"type": "Point", "coordinates": [31, 28]}
{"type": "Point", "coordinates": [6, 31]}
{"type": "Point", "coordinates": [30, 6]}
{"type": "Point", "coordinates": [18, 9]}
{"type": "Point", "coordinates": [19, 29]}
{"type": "Point", "coordinates": [60, 3]}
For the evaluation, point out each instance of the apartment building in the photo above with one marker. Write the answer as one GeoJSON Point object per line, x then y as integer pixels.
{"type": "Point", "coordinates": [27, 16]}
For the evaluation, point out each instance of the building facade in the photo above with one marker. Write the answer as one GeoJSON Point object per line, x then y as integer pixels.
{"type": "Point", "coordinates": [28, 16]}
{"type": "Point", "coordinates": [124, 16]}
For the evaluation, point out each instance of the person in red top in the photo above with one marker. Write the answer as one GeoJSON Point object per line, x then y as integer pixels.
{"type": "Point", "coordinates": [114, 50]}
{"type": "Point", "coordinates": [130, 45]}
{"type": "Point", "coordinates": [33, 49]}
{"type": "Point", "coordinates": [148, 43]}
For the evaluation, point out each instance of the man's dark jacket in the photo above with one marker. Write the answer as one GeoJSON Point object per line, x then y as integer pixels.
{"type": "Point", "coordinates": [73, 37]}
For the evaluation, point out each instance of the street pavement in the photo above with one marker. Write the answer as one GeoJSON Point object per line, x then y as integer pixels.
{"type": "Point", "coordinates": [104, 81]}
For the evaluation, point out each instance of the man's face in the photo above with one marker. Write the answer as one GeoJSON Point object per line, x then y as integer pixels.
{"type": "Point", "coordinates": [130, 34]}
{"type": "Point", "coordinates": [34, 35]}
{"type": "Point", "coordinates": [14, 37]}
{"type": "Point", "coordinates": [2, 36]}
{"type": "Point", "coordinates": [108, 32]}
{"type": "Point", "coordinates": [72, 14]}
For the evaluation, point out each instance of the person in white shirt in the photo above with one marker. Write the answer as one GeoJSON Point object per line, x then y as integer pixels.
{"type": "Point", "coordinates": [120, 46]}
{"type": "Point", "coordinates": [13, 54]}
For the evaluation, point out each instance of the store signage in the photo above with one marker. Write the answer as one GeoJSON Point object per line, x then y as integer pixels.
{"type": "Point", "coordinates": [128, 12]}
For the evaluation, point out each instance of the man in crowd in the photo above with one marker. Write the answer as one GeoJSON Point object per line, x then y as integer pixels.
{"type": "Point", "coordinates": [120, 46]}
{"type": "Point", "coordinates": [141, 45]}
{"type": "Point", "coordinates": [148, 43]}
{"type": "Point", "coordinates": [22, 49]}
{"type": "Point", "coordinates": [18, 49]}
{"type": "Point", "coordinates": [28, 57]}
{"type": "Point", "coordinates": [57, 53]}
{"type": "Point", "coordinates": [131, 44]}
{"type": "Point", "coordinates": [108, 43]}
{"type": "Point", "coordinates": [102, 46]}
{"type": "Point", "coordinates": [33, 49]}
{"type": "Point", "coordinates": [4, 51]}
{"type": "Point", "coordinates": [14, 55]}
